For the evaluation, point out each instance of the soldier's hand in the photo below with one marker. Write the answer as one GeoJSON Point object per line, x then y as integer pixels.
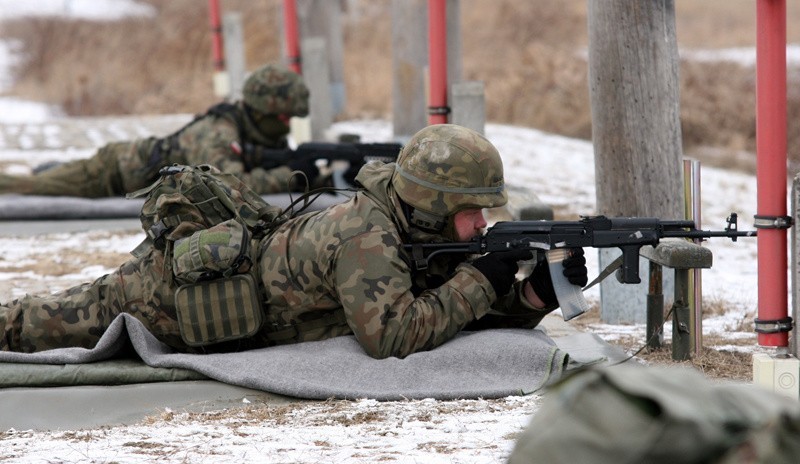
{"type": "Point", "coordinates": [501, 267]}
{"type": "Point", "coordinates": [575, 267]}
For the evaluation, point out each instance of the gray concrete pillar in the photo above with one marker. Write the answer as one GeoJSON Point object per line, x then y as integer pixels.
{"type": "Point", "coordinates": [409, 61]}
{"type": "Point", "coordinates": [323, 19]}
{"type": "Point", "coordinates": [468, 105]}
{"type": "Point", "coordinates": [627, 303]}
{"type": "Point", "coordinates": [315, 75]}
{"type": "Point", "coordinates": [233, 42]}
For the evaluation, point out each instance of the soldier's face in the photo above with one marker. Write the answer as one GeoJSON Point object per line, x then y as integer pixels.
{"type": "Point", "coordinates": [468, 223]}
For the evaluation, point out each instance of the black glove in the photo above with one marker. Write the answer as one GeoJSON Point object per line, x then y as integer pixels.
{"type": "Point", "coordinates": [500, 268]}
{"type": "Point", "coordinates": [575, 267]}
{"type": "Point", "coordinates": [306, 165]}
{"type": "Point", "coordinates": [574, 270]}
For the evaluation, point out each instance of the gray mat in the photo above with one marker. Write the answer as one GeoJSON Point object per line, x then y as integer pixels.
{"type": "Point", "coordinates": [486, 364]}
{"type": "Point", "coordinates": [25, 207]}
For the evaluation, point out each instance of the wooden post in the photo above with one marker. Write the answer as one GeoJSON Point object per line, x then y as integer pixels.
{"type": "Point", "coordinates": [681, 336]}
{"type": "Point", "coordinates": [655, 308]}
{"type": "Point", "coordinates": [634, 89]}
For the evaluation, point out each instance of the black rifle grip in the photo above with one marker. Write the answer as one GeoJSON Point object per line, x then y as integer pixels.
{"type": "Point", "coordinates": [630, 264]}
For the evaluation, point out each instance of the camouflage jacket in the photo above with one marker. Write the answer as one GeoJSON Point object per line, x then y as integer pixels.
{"type": "Point", "coordinates": [345, 266]}
{"type": "Point", "coordinates": [211, 140]}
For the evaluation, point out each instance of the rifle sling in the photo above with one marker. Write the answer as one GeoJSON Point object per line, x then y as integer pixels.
{"type": "Point", "coordinates": [613, 266]}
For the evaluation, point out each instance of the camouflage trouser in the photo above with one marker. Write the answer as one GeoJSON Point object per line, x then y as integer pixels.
{"type": "Point", "coordinates": [116, 169]}
{"type": "Point", "coordinates": [79, 316]}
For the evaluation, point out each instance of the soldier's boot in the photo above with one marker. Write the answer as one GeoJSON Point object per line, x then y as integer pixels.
{"type": "Point", "coordinates": [94, 177]}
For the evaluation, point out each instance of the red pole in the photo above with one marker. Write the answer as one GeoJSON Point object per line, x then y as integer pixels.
{"type": "Point", "coordinates": [771, 170]}
{"type": "Point", "coordinates": [437, 61]}
{"type": "Point", "coordinates": [292, 36]}
{"type": "Point", "coordinates": [216, 38]}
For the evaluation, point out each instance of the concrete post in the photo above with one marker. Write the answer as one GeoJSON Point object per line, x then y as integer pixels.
{"type": "Point", "coordinates": [315, 74]}
{"type": "Point", "coordinates": [409, 61]}
{"type": "Point", "coordinates": [233, 41]}
{"type": "Point", "coordinates": [322, 18]}
{"type": "Point", "coordinates": [468, 105]}
{"type": "Point", "coordinates": [454, 73]}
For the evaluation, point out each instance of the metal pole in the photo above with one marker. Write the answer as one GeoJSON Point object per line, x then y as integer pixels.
{"type": "Point", "coordinates": [221, 80]}
{"type": "Point", "coordinates": [437, 61]}
{"type": "Point", "coordinates": [292, 36]}
{"type": "Point", "coordinates": [216, 36]}
{"type": "Point", "coordinates": [692, 207]}
{"type": "Point", "coordinates": [771, 128]}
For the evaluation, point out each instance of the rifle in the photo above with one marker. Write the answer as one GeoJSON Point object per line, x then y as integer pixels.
{"type": "Point", "coordinates": [357, 154]}
{"type": "Point", "coordinates": [629, 234]}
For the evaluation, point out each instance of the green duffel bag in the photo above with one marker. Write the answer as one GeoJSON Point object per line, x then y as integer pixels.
{"type": "Point", "coordinates": [659, 415]}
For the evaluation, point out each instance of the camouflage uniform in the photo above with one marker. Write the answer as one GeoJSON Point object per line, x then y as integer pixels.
{"type": "Point", "coordinates": [121, 167]}
{"type": "Point", "coordinates": [328, 273]}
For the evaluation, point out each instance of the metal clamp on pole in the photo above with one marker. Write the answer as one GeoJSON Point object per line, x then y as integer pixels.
{"type": "Point", "coordinates": [438, 110]}
{"type": "Point", "coordinates": [774, 326]}
{"type": "Point", "coordinates": [772, 222]}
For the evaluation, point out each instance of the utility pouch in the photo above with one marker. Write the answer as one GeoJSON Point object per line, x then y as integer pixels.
{"type": "Point", "coordinates": [221, 310]}
{"type": "Point", "coordinates": [219, 251]}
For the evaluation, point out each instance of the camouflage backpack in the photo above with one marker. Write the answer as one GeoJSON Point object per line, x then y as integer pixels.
{"type": "Point", "coordinates": [203, 221]}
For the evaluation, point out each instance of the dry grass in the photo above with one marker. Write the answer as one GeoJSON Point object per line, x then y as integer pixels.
{"type": "Point", "coordinates": [528, 54]}
{"type": "Point", "coordinates": [716, 363]}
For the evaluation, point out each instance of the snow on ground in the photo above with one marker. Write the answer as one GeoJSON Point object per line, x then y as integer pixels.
{"type": "Point", "coordinates": [77, 9]}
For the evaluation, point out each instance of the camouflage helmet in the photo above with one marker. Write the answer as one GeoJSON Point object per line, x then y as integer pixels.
{"type": "Point", "coordinates": [275, 89]}
{"type": "Point", "coordinates": [445, 168]}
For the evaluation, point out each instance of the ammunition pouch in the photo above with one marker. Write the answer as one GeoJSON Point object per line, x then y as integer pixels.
{"type": "Point", "coordinates": [219, 300]}
{"type": "Point", "coordinates": [221, 310]}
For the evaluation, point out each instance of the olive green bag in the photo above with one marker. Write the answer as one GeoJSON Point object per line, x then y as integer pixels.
{"type": "Point", "coordinates": [656, 415]}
